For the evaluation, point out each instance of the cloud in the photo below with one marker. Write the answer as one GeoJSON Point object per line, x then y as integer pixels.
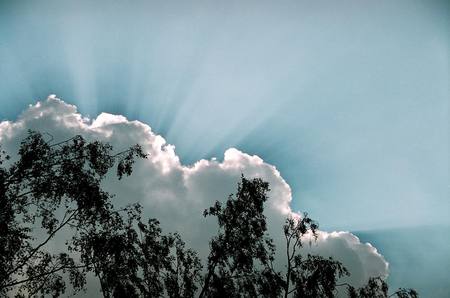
{"type": "Point", "coordinates": [177, 194]}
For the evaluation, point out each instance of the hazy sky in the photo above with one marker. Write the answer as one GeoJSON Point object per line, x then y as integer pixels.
{"type": "Point", "coordinates": [349, 99]}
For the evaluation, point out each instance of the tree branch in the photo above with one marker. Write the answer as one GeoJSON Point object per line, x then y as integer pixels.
{"type": "Point", "coordinates": [42, 275]}
{"type": "Point", "coordinates": [37, 248]}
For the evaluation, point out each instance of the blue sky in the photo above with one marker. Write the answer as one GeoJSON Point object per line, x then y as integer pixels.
{"type": "Point", "coordinates": [349, 99]}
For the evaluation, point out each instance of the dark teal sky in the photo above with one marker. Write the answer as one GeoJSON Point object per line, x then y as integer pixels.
{"type": "Point", "coordinates": [349, 99]}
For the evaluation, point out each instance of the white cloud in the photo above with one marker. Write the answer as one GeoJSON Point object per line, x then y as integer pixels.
{"type": "Point", "coordinates": [177, 194]}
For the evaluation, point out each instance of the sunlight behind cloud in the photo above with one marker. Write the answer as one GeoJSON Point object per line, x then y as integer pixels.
{"type": "Point", "coordinates": [177, 194]}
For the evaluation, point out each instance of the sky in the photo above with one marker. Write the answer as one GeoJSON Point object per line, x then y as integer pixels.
{"type": "Point", "coordinates": [348, 100]}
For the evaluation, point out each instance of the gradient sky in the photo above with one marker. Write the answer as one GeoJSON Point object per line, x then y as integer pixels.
{"type": "Point", "coordinates": [349, 99]}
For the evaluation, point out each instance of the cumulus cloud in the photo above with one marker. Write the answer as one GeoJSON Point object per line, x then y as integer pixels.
{"type": "Point", "coordinates": [177, 194]}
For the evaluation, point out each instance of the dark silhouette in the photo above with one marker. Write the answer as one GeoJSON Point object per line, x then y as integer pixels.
{"type": "Point", "coordinates": [378, 288]}
{"type": "Point", "coordinates": [314, 276]}
{"type": "Point", "coordinates": [242, 254]}
{"type": "Point", "coordinates": [57, 186]}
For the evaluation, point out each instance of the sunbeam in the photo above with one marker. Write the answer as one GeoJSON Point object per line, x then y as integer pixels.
{"type": "Point", "coordinates": [348, 100]}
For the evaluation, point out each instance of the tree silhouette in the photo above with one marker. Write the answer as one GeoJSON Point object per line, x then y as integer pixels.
{"type": "Point", "coordinates": [49, 180]}
{"type": "Point", "coordinates": [242, 254]}
{"type": "Point", "coordinates": [140, 262]}
{"type": "Point", "coordinates": [241, 259]}
{"type": "Point", "coordinates": [313, 276]}
{"type": "Point", "coordinates": [55, 188]}
{"type": "Point", "coordinates": [378, 288]}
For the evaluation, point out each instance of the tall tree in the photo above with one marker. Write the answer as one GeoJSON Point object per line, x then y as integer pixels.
{"type": "Point", "coordinates": [47, 180]}
{"type": "Point", "coordinates": [241, 259]}
{"type": "Point", "coordinates": [55, 188]}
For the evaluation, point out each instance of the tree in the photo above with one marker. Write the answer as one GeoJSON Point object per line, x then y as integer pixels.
{"type": "Point", "coordinates": [378, 288]}
{"type": "Point", "coordinates": [55, 188]}
{"type": "Point", "coordinates": [139, 261]}
{"type": "Point", "coordinates": [241, 259]}
{"type": "Point", "coordinates": [49, 179]}
{"type": "Point", "coordinates": [313, 276]}
{"type": "Point", "coordinates": [178, 268]}
{"type": "Point", "coordinates": [240, 262]}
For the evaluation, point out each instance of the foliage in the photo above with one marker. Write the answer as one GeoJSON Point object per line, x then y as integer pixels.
{"type": "Point", "coordinates": [378, 288]}
{"type": "Point", "coordinates": [56, 189]}
{"type": "Point", "coordinates": [240, 262]}
{"type": "Point", "coordinates": [140, 262]}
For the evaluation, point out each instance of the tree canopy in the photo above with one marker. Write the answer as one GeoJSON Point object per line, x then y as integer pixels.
{"type": "Point", "coordinates": [55, 188]}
